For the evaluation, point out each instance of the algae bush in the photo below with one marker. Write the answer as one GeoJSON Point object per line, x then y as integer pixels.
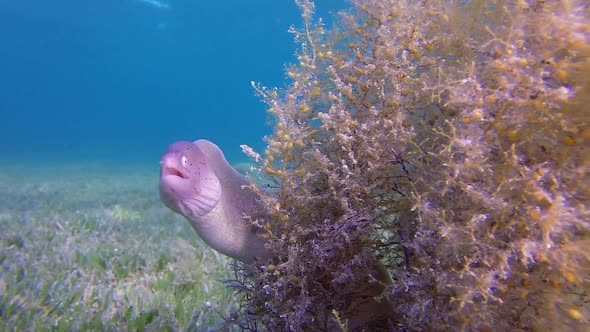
{"type": "Point", "coordinates": [90, 247]}
{"type": "Point", "coordinates": [451, 140]}
{"type": "Point", "coordinates": [448, 139]}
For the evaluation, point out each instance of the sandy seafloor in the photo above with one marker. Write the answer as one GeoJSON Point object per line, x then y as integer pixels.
{"type": "Point", "coordinates": [89, 246]}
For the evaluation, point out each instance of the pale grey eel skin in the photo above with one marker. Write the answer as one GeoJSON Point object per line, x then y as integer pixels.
{"type": "Point", "coordinates": [197, 182]}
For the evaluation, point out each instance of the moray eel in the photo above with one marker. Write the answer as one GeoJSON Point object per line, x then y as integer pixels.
{"type": "Point", "coordinates": [197, 182]}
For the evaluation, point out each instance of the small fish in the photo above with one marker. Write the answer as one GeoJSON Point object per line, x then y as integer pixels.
{"type": "Point", "coordinates": [156, 3]}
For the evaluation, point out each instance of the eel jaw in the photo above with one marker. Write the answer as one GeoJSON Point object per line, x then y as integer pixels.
{"type": "Point", "coordinates": [174, 182]}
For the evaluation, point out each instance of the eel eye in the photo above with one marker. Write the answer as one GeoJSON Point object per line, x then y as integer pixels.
{"type": "Point", "coordinates": [184, 161]}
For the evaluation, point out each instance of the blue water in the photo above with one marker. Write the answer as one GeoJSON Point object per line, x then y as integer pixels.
{"type": "Point", "coordinates": [120, 80]}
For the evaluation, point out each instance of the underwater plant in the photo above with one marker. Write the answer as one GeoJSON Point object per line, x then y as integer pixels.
{"type": "Point", "coordinates": [448, 139]}
{"type": "Point", "coordinates": [444, 144]}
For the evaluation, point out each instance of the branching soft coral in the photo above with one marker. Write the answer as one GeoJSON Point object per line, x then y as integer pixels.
{"type": "Point", "coordinates": [448, 140]}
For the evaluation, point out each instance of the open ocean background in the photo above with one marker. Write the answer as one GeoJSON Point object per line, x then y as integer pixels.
{"type": "Point", "coordinates": [119, 80]}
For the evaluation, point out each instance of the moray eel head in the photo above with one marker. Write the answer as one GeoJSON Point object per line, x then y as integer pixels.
{"type": "Point", "coordinates": [188, 185]}
{"type": "Point", "coordinates": [197, 182]}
